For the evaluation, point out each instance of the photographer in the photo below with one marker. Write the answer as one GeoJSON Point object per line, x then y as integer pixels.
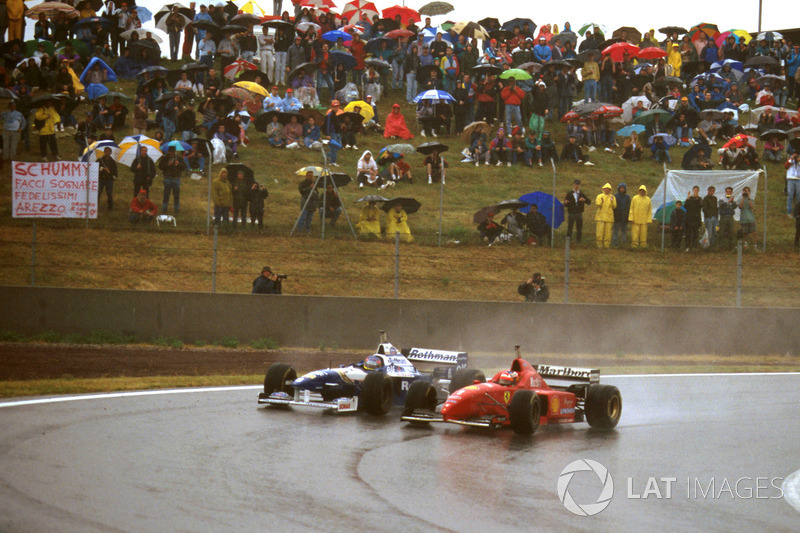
{"type": "Point", "coordinates": [792, 167]}
{"type": "Point", "coordinates": [268, 282]}
{"type": "Point", "coordinates": [534, 290]}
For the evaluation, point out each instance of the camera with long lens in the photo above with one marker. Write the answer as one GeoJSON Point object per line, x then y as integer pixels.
{"type": "Point", "coordinates": [281, 276]}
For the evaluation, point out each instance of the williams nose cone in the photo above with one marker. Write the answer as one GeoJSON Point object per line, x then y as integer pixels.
{"type": "Point", "coordinates": [461, 404]}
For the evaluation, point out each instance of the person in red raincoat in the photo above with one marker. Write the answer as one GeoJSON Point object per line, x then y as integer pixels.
{"type": "Point", "coordinates": [396, 125]}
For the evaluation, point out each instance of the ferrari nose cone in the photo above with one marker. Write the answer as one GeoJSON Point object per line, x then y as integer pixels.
{"type": "Point", "coordinates": [461, 404]}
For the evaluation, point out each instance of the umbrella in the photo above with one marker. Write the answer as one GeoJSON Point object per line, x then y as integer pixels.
{"type": "Point", "coordinates": [533, 65]}
{"type": "Point", "coordinates": [237, 67]}
{"type": "Point", "coordinates": [252, 87]}
{"type": "Point", "coordinates": [429, 147]}
{"type": "Point", "coordinates": [117, 94]}
{"type": "Point", "coordinates": [664, 212]}
{"type": "Point", "coordinates": [7, 93]}
{"type": "Point", "coordinates": [772, 79]}
{"type": "Point", "coordinates": [669, 30]}
{"type": "Point", "coordinates": [761, 61]}
{"type": "Point", "coordinates": [315, 170]}
{"type": "Point", "coordinates": [234, 169]}
{"type": "Point", "coordinates": [399, 34]}
{"type": "Point", "coordinates": [617, 51]}
{"type": "Point", "coordinates": [91, 21]}
{"type": "Point", "coordinates": [305, 26]}
{"type": "Point", "coordinates": [693, 152]}
{"type": "Point", "coordinates": [96, 90]}
{"type": "Point", "coordinates": [377, 63]}
{"type": "Point", "coordinates": [519, 23]}
{"type": "Point", "coordinates": [715, 114]}
{"type": "Point", "coordinates": [168, 95]}
{"type": "Point", "coordinates": [96, 150]}
{"type": "Point", "coordinates": [490, 23]}
{"type": "Point", "coordinates": [711, 30]}
{"type": "Point", "coordinates": [179, 146]}
{"type": "Point", "coordinates": [344, 58]}
{"type": "Point", "coordinates": [434, 95]}
{"type": "Point", "coordinates": [669, 140]}
{"type": "Point", "coordinates": [484, 68]}
{"type": "Point", "coordinates": [780, 134]}
{"type": "Point", "coordinates": [471, 30]}
{"type": "Point", "coordinates": [627, 130]}
{"type": "Point", "coordinates": [253, 8]}
{"type": "Point", "coordinates": [669, 80]}
{"type": "Point", "coordinates": [483, 213]}
{"type": "Point", "coordinates": [152, 69]}
{"type": "Point", "coordinates": [231, 29]}
{"type": "Point", "coordinates": [735, 65]}
{"type": "Point", "coordinates": [432, 9]}
{"type": "Point", "coordinates": [793, 130]}
{"type": "Point", "coordinates": [372, 198]}
{"type": "Point", "coordinates": [264, 119]}
{"type": "Point", "coordinates": [406, 14]}
{"type": "Point", "coordinates": [129, 148]}
{"type": "Point", "coordinates": [308, 112]}
{"type": "Point", "coordinates": [96, 61]}
{"type": "Point", "coordinates": [364, 109]}
{"type": "Point", "coordinates": [472, 127]}
{"type": "Point", "coordinates": [424, 72]}
{"type": "Point", "coordinates": [648, 116]}
{"type": "Point", "coordinates": [410, 205]}
{"type": "Point", "coordinates": [42, 99]}
{"type": "Point", "coordinates": [769, 36]}
{"type": "Point", "coordinates": [302, 67]}
{"type": "Point", "coordinates": [239, 93]}
{"type": "Point", "coordinates": [274, 24]}
{"type": "Point", "coordinates": [515, 73]}
{"type": "Point", "coordinates": [142, 32]}
{"type": "Point", "coordinates": [332, 36]}
{"type": "Point", "coordinates": [570, 115]}
{"type": "Point", "coordinates": [51, 10]}
{"type": "Point", "coordinates": [544, 202]}
{"type": "Point", "coordinates": [609, 42]}
{"type": "Point", "coordinates": [352, 29]}
{"type": "Point", "coordinates": [592, 26]}
{"type": "Point", "coordinates": [632, 35]}
{"type": "Point", "coordinates": [567, 37]}
{"type": "Point", "coordinates": [210, 25]}
{"type": "Point", "coordinates": [338, 178]}
{"type": "Point", "coordinates": [245, 19]}
{"type": "Point", "coordinates": [607, 111]}
{"type": "Point", "coordinates": [161, 21]}
{"type": "Point", "coordinates": [357, 8]}
{"type": "Point", "coordinates": [373, 45]}
{"type": "Point", "coordinates": [740, 140]}
{"type": "Point", "coordinates": [500, 35]}
{"type": "Point", "coordinates": [155, 81]}
{"type": "Point", "coordinates": [587, 108]}
{"type": "Point", "coordinates": [651, 52]}
{"type": "Point", "coordinates": [32, 45]}
{"type": "Point", "coordinates": [145, 15]}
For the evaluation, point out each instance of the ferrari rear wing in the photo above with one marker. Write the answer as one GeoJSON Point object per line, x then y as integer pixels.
{"type": "Point", "coordinates": [570, 374]}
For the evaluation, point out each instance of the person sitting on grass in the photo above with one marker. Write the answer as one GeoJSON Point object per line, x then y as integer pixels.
{"type": "Point", "coordinates": [660, 151]}
{"type": "Point", "coordinates": [572, 152]}
{"type": "Point", "coordinates": [275, 133]}
{"type": "Point", "coordinates": [230, 141]}
{"type": "Point", "coordinates": [397, 222]}
{"type": "Point", "coordinates": [142, 209]}
{"type": "Point", "coordinates": [293, 134]}
{"type": "Point", "coordinates": [632, 148]}
{"type": "Point", "coordinates": [369, 221]}
{"type": "Point", "coordinates": [490, 230]}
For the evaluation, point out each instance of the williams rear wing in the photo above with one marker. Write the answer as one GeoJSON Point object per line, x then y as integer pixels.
{"type": "Point", "coordinates": [442, 363]}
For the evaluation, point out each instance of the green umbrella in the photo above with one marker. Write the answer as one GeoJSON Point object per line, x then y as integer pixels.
{"type": "Point", "coordinates": [78, 46]}
{"type": "Point", "coordinates": [121, 96]}
{"type": "Point", "coordinates": [32, 45]}
{"type": "Point", "coordinates": [648, 116]}
{"type": "Point", "coordinates": [664, 211]}
{"type": "Point", "coordinates": [516, 74]}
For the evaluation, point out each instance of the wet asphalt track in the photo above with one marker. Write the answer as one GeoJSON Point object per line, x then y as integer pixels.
{"type": "Point", "coordinates": [214, 461]}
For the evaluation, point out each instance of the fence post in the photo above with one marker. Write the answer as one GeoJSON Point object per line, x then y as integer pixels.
{"type": "Point", "coordinates": [566, 271]}
{"type": "Point", "coordinates": [764, 168]}
{"type": "Point", "coordinates": [214, 263]}
{"type": "Point", "coordinates": [33, 256]}
{"type": "Point", "coordinates": [396, 264]}
{"type": "Point", "coordinates": [739, 274]}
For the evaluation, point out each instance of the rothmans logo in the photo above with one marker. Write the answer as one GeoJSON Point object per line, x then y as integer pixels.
{"type": "Point", "coordinates": [564, 372]}
{"type": "Point", "coordinates": [440, 356]}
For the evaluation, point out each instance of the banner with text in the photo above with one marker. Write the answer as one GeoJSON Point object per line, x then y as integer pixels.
{"type": "Point", "coordinates": [60, 189]}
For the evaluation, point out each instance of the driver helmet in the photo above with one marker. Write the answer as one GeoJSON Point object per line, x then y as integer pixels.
{"type": "Point", "coordinates": [373, 362]}
{"type": "Point", "coordinates": [509, 377]}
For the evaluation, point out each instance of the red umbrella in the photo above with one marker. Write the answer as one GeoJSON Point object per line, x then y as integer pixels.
{"type": "Point", "coordinates": [740, 141]}
{"type": "Point", "coordinates": [607, 110]}
{"type": "Point", "coordinates": [352, 29]}
{"type": "Point", "coordinates": [355, 9]}
{"type": "Point", "coordinates": [617, 51]}
{"type": "Point", "coordinates": [651, 52]}
{"type": "Point", "coordinates": [570, 115]}
{"type": "Point", "coordinates": [711, 30]}
{"type": "Point", "coordinates": [406, 14]}
{"type": "Point", "coordinates": [399, 34]}
{"type": "Point", "coordinates": [237, 67]}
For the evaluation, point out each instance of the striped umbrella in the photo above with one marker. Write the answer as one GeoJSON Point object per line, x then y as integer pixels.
{"type": "Point", "coordinates": [96, 150]}
{"type": "Point", "coordinates": [129, 148]}
{"type": "Point", "coordinates": [357, 8]}
{"type": "Point", "coordinates": [51, 10]}
{"type": "Point", "coordinates": [434, 95]}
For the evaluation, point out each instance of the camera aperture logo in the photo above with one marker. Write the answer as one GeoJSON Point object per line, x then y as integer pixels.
{"type": "Point", "coordinates": [586, 509]}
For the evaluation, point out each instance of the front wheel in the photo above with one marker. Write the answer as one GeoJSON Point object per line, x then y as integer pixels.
{"type": "Point", "coordinates": [464, 378]}
{"type": "Point", "coordinates": [420, 395]}
{"type": "Point", "coordinates": [523, 412]}
{"type": "Point", "coordinates": [603, 406]}
{"type": "Point", "coordinates": [377, 394]}
{"type": "Point", "coordinates": [277, 378]}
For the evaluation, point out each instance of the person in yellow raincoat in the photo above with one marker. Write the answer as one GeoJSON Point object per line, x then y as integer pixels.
{"type": "Point", "coordinates": [639, 217]}
{"type": "Point", "coordinates": [369, 221]}
{"type": "Point", "coordinates": [674, 60]}
{"type": "Point", "coordinates": [47, 118]}
{"type": "Point", "coordinates": [15, 10]}
{"type": "Point", "coordinates": [604, 217]}
{"type": "Point", "coordinates": [397, 222]}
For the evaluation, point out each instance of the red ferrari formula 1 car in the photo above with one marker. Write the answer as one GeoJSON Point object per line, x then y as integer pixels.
{"type": "Point", "coordinates": [519, 398]}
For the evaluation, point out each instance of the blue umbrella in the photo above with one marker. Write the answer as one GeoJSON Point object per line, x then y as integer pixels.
{"type": "Point", "coordinates": [627, 130]}
{"type": "Point", "coordinates": [544, 202]}
{"type": "Point", "coordinates": [735, 65]}
{"type": "Point", "coordinates": [105, 23]}
{"type": "Point", "coordinates": [344, 58]}
{"type": "Point", "coordinates": [434, 95]}
{"type": "Point", "coordinates": [669, 140]}
{"type": "Point", "coordinates": [337, 34]}
{"type": "Point", "coordinates": [144, 13]}
{"type": "Point", "coordinates": [95, 90]}
{"type": "Point", "coordinates": [110, 74]}
{"type": "Point", "coordinates": [179, 146]}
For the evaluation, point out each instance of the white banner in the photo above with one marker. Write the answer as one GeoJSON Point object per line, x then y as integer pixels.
{"type": "Point", "coordinates": [679, 185]}
{"type": "Point", "coordinates": [61, 189]}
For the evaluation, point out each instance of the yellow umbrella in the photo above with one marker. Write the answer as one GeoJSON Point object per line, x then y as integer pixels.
{"type": "Point", "coordinates": [252, 7]}
{"type": "Point", "coordinates": [316, 170]}
{"type": "Point", "coordinates": [365, 109]}
{"type": "Point", "coordinates": [743, 34]}
{"type": "Point", "coordinates": [253, 87]}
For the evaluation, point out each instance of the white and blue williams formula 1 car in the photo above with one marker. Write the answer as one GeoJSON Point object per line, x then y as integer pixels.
{"type": "Point", "coordinates": [373, 385]}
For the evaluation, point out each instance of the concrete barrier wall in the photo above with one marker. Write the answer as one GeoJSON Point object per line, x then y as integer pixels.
{"type": "Point", "coordinates": [355, 322]}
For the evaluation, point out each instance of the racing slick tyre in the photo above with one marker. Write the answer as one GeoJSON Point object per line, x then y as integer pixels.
{"type": "Point", "coordinates": [377, 394]}
{"type": "Point", "coordinates": [603, 406]}
{"type": "Point", "coordinates": [276, 378]}
{"type": "Point", "coordinates": [523, 412]}
{"type": "Point", "coordinates": [420, 395]}
{"type": "Point", "coordinates": [464, 378]}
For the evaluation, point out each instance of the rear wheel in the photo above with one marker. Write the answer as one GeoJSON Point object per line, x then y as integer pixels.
{"type": "Point", "coordinates": [603, 406]}
{"type": "Point", "coordinates": [523, 412]}
{"type": "Point", "coordinates": [421, 395]}
{"type": "Point", "coordinates": [277, 377]}
{"type": "Point", "coordinates": [464, 378]}
{"type": "Point", "coordinates": [377, 394]}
